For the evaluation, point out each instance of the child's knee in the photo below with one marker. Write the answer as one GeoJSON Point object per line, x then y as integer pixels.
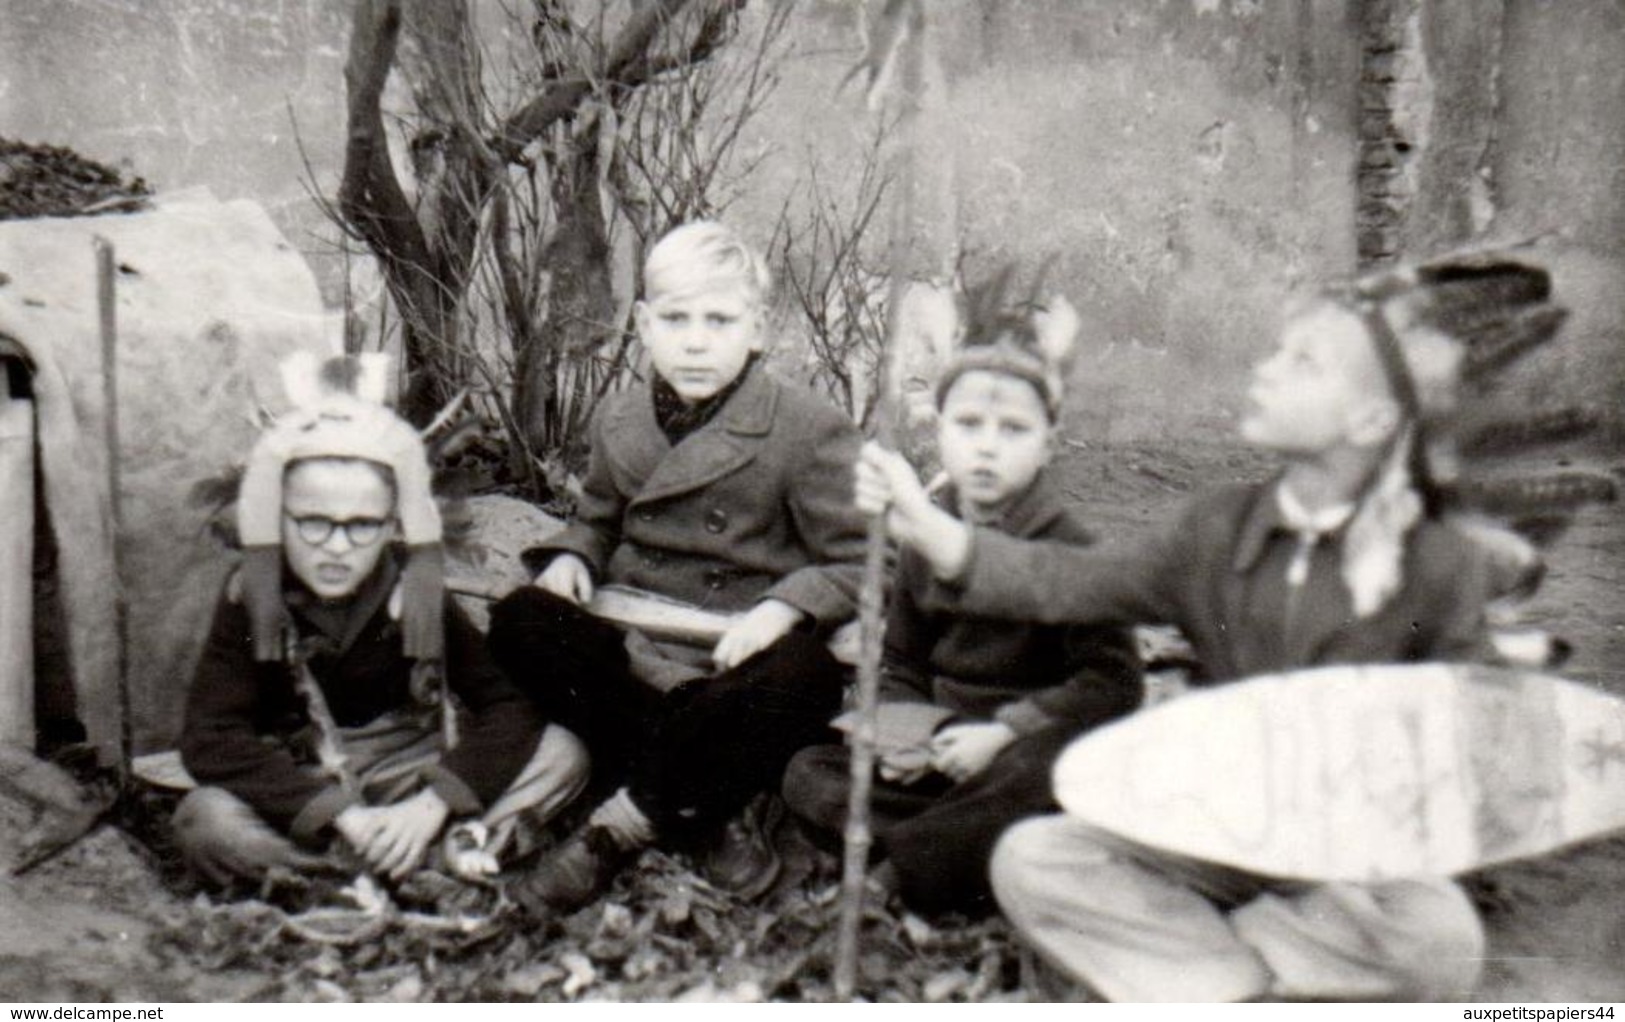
{"type": "Point", "coordinates": [221, 838]}
{"type": "Point", "coordinates": [802, 664]}
{"type": "Point", "coordinates": [1009, 869]}
{"type": "Point", "coordinates": [562, 747]}
{"type": "Point", "coordinates": [208, 815]}
{"type": "Point", "coordinates": [815, 785]}
{"type": "Point", "coordinates": [1032, 854]}
{"type": "Point", "coordinates": [1450, 933]}
{"type": "Point", "coordinates": [558, 770]}
{"type": "Point", "coordinates": [529, 609]}
{"type": "Point", "coordinates": [1408, 940]}
{"type": "Point", "coordinates": [806, 649]}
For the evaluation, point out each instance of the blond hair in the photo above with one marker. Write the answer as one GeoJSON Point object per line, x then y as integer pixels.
{"type": "Point", "coordinates": [701, 255]}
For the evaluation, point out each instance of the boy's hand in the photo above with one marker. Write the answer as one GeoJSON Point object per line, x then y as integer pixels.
{"type": "Point", "coordinates": [886, 484]}
{"type": "Point", "coordinates": [904, 766]}
{"type": "Point", "coordinates": [964, 750]}
{"type": "Point", "coordinates": [765, 624]}
{"type": "Point", "coordinates": [568, 576]}
{"type": "Point", "coordinates": [466, 849]}
{"type": "Point", "coordinates": [394, 839]}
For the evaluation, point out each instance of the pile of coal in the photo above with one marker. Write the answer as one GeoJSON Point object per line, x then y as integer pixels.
{"type": "Point", "coordinates": [44, 180]}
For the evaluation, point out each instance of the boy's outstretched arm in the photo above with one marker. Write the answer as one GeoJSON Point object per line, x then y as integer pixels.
{"type": "Point", "coordinates": [992, 574]}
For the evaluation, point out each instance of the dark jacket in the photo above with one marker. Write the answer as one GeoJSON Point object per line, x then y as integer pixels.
{"type": "Point", "coordinates": [243, 716]}
{"type": "Point", "coordinates": [1029, 676]}
{"type": "Point", "coordinates": [756, 503]}
{"type": "Point", "coordinates": [1219, 574]}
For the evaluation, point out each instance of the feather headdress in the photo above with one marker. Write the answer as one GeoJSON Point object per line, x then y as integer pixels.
{"type": "Point", "coordinates": [1464, 445]}
{"type": "Point", "coordinates": [1031, 339]}
{"type": "Point", "coordinates": [338, 412]}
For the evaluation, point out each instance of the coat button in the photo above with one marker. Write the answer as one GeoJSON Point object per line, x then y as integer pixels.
{"type": "Point", "coordinates": [716, 520]}
{"type": "Point", "coordinates": [716, 578]}
{"type": "Point", "coordinates": [646, 515]}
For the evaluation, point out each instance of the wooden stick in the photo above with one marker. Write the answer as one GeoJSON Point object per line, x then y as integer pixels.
{"type": "Point", "coordinates": [858, 836]}
{"type": "Point", "coordinates": [106, 305]}
{"type": "Point", "coordinates": [17, 725]}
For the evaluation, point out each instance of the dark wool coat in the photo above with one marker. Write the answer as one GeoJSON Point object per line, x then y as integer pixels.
{"type": "Point", "coordinates": [1219, 574]}
{"type": "Point", "coordinates": [243, 717]}
{"type": "Point", "coordinates": [756, 503]}
{"type": "Point", "coordinates": [1029, 676]}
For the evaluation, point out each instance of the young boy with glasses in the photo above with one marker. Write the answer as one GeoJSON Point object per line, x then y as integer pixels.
{"type": "Point", "coordinates": [341, 700]}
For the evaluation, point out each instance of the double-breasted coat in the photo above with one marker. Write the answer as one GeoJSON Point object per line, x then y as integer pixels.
{"type": "Point", "coordinates": [755, 504]}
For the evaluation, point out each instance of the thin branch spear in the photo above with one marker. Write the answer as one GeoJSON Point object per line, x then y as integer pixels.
{"type": "Point", "coordinates": [106, 307]}
{"type": "Point", "coordinates": [922, 244]}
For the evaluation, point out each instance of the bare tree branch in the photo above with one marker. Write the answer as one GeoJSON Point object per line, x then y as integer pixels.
{"type": "Point", "coordinates": [468, 243]}
{"type": "Point", "coordinates": [565, 96]}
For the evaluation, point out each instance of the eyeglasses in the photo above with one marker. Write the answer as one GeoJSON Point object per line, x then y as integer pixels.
{"type": "Point", "coordinates": [318, 529]}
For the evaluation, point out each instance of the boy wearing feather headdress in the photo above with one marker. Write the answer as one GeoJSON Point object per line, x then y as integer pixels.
{"type": "Point", "coordinates": [1341, 557]}
{"type": "Point", "coordinates": [342, 704]}
{"type": "Point", "coordinates": [976, 710]}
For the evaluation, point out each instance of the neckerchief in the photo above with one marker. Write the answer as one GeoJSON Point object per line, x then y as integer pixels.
{"type": "Point", "coordinates": [677, 418]}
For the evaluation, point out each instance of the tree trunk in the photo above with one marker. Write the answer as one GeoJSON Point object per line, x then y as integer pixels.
{"type": "Point", "coordinates": [580, 297]}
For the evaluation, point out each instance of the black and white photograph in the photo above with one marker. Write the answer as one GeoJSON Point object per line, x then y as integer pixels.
{"type": "Point", "coordinates": [812, 501]}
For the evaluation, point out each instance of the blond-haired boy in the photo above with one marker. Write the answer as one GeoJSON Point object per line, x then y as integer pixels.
{"type": "Point", "coordinates": [717, 485]}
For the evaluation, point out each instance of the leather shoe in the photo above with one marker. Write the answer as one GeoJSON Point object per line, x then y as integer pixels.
{"type": "Point", "coordinates": [745, 859]}
{"type": "Point", "coordinates": [571, 876]}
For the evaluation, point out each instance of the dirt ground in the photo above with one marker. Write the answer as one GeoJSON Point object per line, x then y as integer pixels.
{"type": "Point", "coordinates": [113, 918]}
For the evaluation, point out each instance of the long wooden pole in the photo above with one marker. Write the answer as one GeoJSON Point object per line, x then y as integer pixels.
{"type": "Point", "coordinates": [912, 261]}
{"type": "Point", "coordinates": [858, 835]}
{"type": "Point", "coordinates": [106, 304]}
{"type": "Point", "coordinates": [16, 561]}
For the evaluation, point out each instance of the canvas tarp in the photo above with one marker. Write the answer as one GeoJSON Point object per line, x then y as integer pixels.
{"type": "Point", "coordinates": [210, 297]}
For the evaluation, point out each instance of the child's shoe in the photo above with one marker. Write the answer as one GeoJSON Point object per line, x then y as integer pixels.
{"type": "Point", "coordinates": [745, 859]}
{"type": "Point", "coordinates": [571, 876]}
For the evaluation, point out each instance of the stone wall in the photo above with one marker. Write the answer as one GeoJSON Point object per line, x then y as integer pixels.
{"type": "Point", "coordinates": [1504, 120]}
{"type": "Point", "coordinates": [1188, 162]}
{"type": "Point", "coordinates": [231, 95]}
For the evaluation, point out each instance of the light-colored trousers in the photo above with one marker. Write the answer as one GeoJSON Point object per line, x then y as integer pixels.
{"type": "Point", "coordinates": [1136, 924]}
{"type": "Point", "coordinates": [221, 835]}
